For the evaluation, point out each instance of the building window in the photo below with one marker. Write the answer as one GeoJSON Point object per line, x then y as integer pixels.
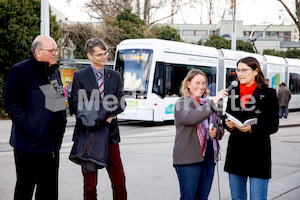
{"type": "Point", "coordinates": [188, 32]}
{"type": "Point", "coordinates": [271, 33]}
{"type": "Point", "coordinates": [284, 36]}
{"type": "Point", "coordinates": [247, 33]}
{"type": "Point", "coordinates": [200, 33]}
{"type": "Point", "coordinates": [258, 33]}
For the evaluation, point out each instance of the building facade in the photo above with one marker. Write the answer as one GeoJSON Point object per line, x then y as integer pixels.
{"type": "Point", "coordinates": [277, 37]}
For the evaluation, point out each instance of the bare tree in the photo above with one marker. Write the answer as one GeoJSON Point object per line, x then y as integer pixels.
{"type": "Point", "coordinates": [138, 8]}
{"type": "Point", "coordinates": [106, 9]}
{"type": "Point", "coordinates": [295, 16]}
{"type": "Point", "coordinates": [210, 8]}
{"type": "Point", "coordinates": [175, 8]}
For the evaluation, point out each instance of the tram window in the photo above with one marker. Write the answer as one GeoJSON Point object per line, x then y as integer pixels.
{"type": "Point", "coordinates": [158, 82]}
{"type": "Point", "coordinates": [134, 67]}
{"type": "Point", "coordinates": [294, 83]}
{"type": "Point", "coordinates": [174, 75]}
{"type": "Point", "coordinates": [230, 76]}
{"type": "Point", "coordinates": [210, 73]}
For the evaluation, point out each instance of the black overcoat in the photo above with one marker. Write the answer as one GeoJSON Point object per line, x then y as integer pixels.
{"type": "Point", "coordinates": [249, 154]}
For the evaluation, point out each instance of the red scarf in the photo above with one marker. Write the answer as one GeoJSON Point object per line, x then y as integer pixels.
{"type": "Point", "coordinates": [248, 91]}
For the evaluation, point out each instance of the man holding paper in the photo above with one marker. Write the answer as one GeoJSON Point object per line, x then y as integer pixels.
{"type": "Point", "coordinates": [249, 146]}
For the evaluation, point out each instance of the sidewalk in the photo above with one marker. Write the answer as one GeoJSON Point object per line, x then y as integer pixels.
{"type": "Point", "coordinates": [292, 120]}
{"type": "Point", "coordinates": [155, 144]}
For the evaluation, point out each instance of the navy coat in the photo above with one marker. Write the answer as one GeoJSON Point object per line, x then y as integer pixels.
{"type": "Point", "coordinates": [35, 129]}
{"type": "Point", "coordinates": [91, 142]}
{"type": "Point", "coordinates": [85, 79]}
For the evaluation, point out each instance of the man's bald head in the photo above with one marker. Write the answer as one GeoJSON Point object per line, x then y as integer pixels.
{"type": "Point", "coordinates": [39, 41]}
{"type": "Point", "coordinates": [44, 49]}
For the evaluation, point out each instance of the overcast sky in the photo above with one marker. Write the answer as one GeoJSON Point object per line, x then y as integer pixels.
{"type": "Point", "coordinates": [250, 11]}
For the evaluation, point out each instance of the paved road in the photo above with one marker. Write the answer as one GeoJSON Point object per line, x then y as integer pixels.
{"type": "Point", "coordinates": [147, 157]}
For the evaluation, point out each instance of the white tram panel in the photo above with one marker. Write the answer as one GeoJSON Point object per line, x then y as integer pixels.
{"type": "Point", "coordinates": [153, 107]}
{"type": "Point", "coordinates": [276, 68]}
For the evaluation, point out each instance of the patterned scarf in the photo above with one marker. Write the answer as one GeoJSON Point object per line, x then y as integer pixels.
{"type": "Point", "coordinates": [202, 127]}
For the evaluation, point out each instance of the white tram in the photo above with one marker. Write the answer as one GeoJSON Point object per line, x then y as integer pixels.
{"type": "Point", "coordinates": [153, 69]}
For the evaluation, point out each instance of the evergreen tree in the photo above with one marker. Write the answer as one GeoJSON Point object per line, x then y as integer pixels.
{"type": "Point", "coordinates": [19, 25]}
{"type": "Point", "coordinates": [166, 33]}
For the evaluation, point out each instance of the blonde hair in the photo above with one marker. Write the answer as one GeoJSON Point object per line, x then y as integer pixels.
{"type": "Point", "coordinates": [191, 74]}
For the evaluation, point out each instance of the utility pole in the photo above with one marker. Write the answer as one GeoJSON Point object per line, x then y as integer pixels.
{"type": "Point", "coordinates": [233, 39]}
{"type": "Point", "coordinates": [45, 21]}
{"type": "Point", "coordinates": [253, 40]}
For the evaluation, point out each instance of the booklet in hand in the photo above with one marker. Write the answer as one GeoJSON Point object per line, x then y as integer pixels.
{"type": "Point", "coordinates": [239, 123]}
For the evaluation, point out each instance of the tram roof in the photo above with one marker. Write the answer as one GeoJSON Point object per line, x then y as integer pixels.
{"type": "Point", "coordinates": [167, 46]}
{"type": "Point", "coordinates": [237, 55]}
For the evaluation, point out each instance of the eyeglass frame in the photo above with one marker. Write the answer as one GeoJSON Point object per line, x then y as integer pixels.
{"type": "Point", "coordinates": [242, 71]}
{"type": "Point", "coordinates": [101, 54]}
{"type": "Point", "coordinates": [52, 51]}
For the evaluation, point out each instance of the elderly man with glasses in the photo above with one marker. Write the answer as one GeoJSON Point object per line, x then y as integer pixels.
{"type": "Point", "coordinates": [37, 131]}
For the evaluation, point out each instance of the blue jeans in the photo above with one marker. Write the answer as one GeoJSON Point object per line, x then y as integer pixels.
{"type": "Point", "coordinates": [283, 109]}
{"type": "Point", "coordinates": [195, 180]}
{"type": "Point", "coordinates": [238, 187]}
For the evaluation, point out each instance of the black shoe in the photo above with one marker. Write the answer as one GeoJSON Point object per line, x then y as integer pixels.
{"type": "Point", "coordinates": [280, 117]}
{"type": "Point", "coordinates": [285, 116]}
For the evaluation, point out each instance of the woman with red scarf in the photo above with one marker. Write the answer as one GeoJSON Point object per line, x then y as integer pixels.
{"type": "Point", "coordinates": [198, 130]}
{"type": "Point", "coordinates": [249, 147]}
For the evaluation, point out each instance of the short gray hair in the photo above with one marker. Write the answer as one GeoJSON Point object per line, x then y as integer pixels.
{"type": "Point", "coordinates": [94, 42]}
{"type": "Point", "coordinates": [35, 45]}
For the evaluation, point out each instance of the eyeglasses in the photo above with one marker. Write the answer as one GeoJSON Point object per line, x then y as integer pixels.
{"type": "Point", "coordinates": [100, 55]}
{"type": "Point", "coordinates": [52, 51]}
{"type": "Point", "coordinates": [241, 71]}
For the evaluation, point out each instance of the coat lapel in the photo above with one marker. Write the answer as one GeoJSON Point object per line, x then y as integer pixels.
{"type": "Point", "coordinates": [92, 78]}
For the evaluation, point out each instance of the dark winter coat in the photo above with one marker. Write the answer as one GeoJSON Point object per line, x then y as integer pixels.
{"type": "Point", "coordinates": [35, 128]}
{"type": "Point", "coordinates": [91, 138]}
{"type": "Point", "coordinates": [249, 154]}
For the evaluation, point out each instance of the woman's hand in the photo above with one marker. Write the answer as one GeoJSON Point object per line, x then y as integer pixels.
{"type": "Point", "coordinates": [245, 128]}
{"type": "Point", "coordinates": [229, 123]}
{"type": "Point", "coordinates": [220, 95]}
{"type": "Point", "coordinates": [213, 132]}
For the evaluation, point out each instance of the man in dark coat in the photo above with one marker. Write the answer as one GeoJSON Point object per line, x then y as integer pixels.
{"type": "Point", "coordinates": [39, 120]}
{"type": "Point", "coordinates": [89, 85]}
{"type": "Point", "coordinates": [284, 96]}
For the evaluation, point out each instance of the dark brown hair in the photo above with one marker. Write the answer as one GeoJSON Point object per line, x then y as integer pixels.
{"type": "Point", "coordinates": [93, 42]}
{"type": "Point", "coordinates": [254, 64]}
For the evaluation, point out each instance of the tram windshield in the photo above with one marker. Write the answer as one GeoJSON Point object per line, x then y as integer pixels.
{"type": "Point", "coordinates": [134, 66]}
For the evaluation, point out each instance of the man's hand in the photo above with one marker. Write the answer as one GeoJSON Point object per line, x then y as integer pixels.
{"type": "Point", "coordinates": [108, 120]}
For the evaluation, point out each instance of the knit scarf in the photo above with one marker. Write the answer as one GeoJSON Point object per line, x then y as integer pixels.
{"type": "Point", "coordinates": [246, 93]}
{"type": "Point", "coordinates": [202, 127]}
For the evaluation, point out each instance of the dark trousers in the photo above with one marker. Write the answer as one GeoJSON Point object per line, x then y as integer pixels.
{"type": "Point", "coordinates": [38, 170]}
{"type": "Point", "coordinates": [115, 172]}
{"type": "Point", "coordinates": [285, 110]}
